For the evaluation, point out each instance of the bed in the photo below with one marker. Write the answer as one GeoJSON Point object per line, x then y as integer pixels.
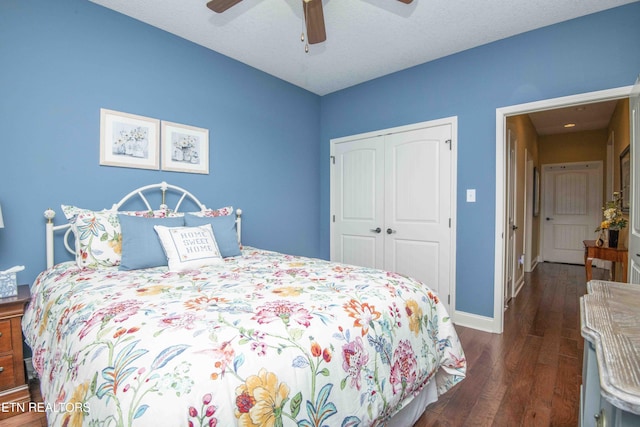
{"type": "Point", "coordinates": [245, 336]}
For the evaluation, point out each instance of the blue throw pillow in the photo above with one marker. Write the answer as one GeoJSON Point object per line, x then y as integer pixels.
{"type": "Point", "coordinates": [141, 247]}
{"type": "Point", "coordinates": [224, 230]}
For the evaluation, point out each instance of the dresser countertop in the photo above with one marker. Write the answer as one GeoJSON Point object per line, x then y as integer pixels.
{"type": "Point", "coordinates": [609, 315]}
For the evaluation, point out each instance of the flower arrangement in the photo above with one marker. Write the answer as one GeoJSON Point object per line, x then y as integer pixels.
{"type": "Point", "coordinates": [613, 219]}
{"type": "Point", "coordinates": [185, 149]}
{"type": "Point", "coordinates": [131, 142]}
{"type": "Point", "coordinates": [187, 141]}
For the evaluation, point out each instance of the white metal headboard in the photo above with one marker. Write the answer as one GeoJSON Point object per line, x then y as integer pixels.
{"type": "Point", "coordinates": [51, 229]}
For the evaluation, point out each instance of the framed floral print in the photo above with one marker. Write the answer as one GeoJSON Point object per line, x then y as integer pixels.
{"type": "Point", "coordinates": [128, 140]}
{"type": "Point", "coordinates": [536, 191]}
{"type": "Point", "coordinates": [184, 148]}
{"type": "Point", "coordinates": [625, 178]}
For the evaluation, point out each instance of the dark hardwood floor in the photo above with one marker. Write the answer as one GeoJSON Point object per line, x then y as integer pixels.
{"type": "Point", "coordinates": [30, 418]}
{"type": "Point", "coordinates": [528, 376]}
{"type": "Point", "coordinates": [531, 374]}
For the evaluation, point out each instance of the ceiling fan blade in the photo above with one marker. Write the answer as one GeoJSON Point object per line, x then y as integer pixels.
{"type": "Point", "coordinates": [220, 6]}
{"type": "Point", "coordinates": [406, 1]}
{"type": "Point", "coordinates": [314, 18]}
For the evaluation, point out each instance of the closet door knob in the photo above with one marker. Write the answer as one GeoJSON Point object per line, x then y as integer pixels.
{"type": "Point", "coordinates": [376, 230]}
{"type": "Point", "coordinates": [390, 231]}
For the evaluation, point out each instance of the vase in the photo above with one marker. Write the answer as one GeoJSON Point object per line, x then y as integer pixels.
{"type": "Point", "coordinates": [186, 154]}
{"type": "Point", "coordinates": [613, 238]}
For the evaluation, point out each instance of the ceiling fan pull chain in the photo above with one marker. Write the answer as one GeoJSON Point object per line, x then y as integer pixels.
{"type": "Point", "coordinates": [304, 25]}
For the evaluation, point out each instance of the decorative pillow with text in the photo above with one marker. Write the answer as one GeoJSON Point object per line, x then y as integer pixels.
{"type": "Point", "coordinates": [189, 248]}
{"type": "Point", "coordinates": [98, 234]}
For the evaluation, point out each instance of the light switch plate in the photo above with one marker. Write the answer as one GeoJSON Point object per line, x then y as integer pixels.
{"type": "Point", "coordinates": [471, 194]}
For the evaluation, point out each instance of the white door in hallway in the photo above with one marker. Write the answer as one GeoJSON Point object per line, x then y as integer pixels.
{"type": "Point", "coordinates": [572, 203]}
{"type": "Point", "coordinates": [392, 203]}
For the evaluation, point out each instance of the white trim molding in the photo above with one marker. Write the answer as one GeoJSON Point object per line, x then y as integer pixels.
{"type": "Point", "coordinates": [497, 323]}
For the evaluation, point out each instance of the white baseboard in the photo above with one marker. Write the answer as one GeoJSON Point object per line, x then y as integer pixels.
{"type": "Point", "coordinates": [532, 266]}
{"type": "Point", "coordinates": [474, 321]}
{"type": "Point", "coordinates": [535, 263]}
{"type": "Point", "coordinates": [519, 286]}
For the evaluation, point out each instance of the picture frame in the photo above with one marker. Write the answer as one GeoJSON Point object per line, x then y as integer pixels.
{"type": "Point", "coordinates": [129, 140]}
{"type": "Point", "coordinates": [625, 178]}
{"type": "Point", "coordinates": [536, 191]}
{"type": "Point", "coordinates": [184, 148]}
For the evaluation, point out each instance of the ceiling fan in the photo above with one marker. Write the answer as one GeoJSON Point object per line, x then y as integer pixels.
{"type": "Point", "coordinates": [313, 16]}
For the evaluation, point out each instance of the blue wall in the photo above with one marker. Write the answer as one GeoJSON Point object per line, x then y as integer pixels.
{"type": "Point", "coordinates": [60, 62]}
{"type": "Point", "coordinates": [599, 51]}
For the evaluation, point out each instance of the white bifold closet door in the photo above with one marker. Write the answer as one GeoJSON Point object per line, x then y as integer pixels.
{"type": "Point", "coordinates": [392, 204]}
{"type": "Point", "coordinates": [359, 202]}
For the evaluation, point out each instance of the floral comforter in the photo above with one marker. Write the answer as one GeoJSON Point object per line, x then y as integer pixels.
{"type": "Point", "coordinates": [262, 339]}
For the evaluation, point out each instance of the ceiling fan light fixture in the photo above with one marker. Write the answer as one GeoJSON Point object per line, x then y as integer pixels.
{"type": "Point", "coordinates": [220, 6]}
{"type": "Point", "coordinates": [314, 21]}
{"type": "Point", "coordinates": [313, 18]}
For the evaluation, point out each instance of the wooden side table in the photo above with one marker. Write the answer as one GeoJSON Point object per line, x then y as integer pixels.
{"type": "Point", "coordinates": [591, 252]}
{"type": "Point", "coordinates": [14, 391]}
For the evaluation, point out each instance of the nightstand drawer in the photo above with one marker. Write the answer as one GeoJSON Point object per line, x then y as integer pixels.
{"type": "Point", "coordinates": [5, 336]}
{"type": "Point", "coordinates": [7, 378]}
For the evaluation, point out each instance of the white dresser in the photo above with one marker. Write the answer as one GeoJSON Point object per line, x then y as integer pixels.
{"type": "Point", "coordinates": [610, 325]}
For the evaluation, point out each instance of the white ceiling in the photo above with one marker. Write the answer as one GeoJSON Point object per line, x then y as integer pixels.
{"type": "Point", "coordinates": [586, 117]}
{"type": "Point", "coordinates": [365, 38]}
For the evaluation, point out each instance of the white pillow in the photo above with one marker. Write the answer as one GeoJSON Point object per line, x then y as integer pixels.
{"type": "Point", "coordinates": [189, 248]}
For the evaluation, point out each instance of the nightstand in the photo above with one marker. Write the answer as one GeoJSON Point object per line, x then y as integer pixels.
{"type": "Point", "coordinates": [14, 391]}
